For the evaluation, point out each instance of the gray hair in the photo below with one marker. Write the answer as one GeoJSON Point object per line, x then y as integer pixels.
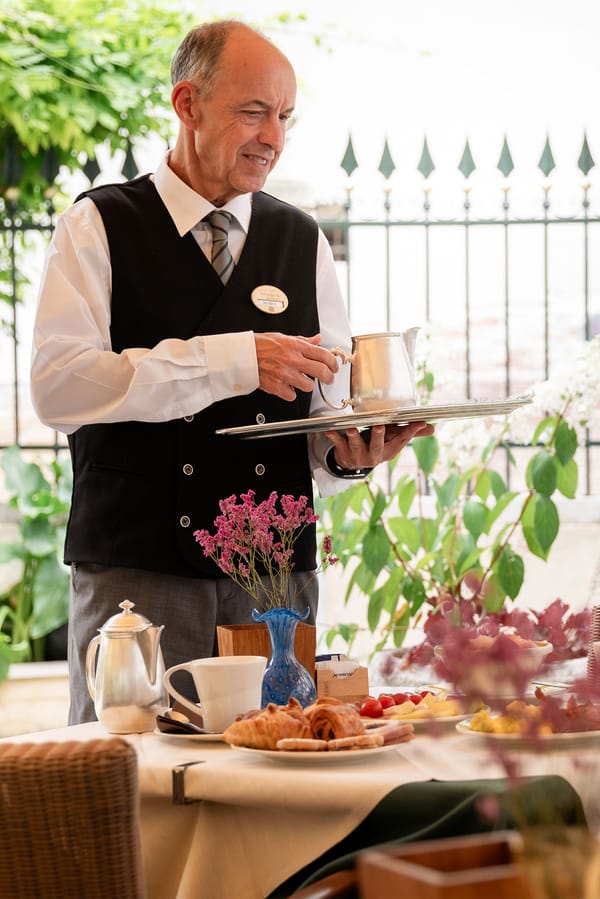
{"type": "Point", "coordinates": [198, 56]}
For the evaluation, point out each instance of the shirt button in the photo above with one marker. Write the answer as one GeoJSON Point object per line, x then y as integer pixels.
{"type": "Point", "coordinates": [260, 418]}
{"type": "Point", "coordinates": [188, 417]}
{"type": "Point", "coordinates": [188, 469]}
{"type": "Point", "coordinates": [237, 387]}
{"type": "Point", "coordinates": [185, 521]}
{"type": "Point", "coordinates": [260, 469]}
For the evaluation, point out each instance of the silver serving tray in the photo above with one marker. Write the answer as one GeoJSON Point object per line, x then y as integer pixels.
{"type": "Point", "coordinates": [441, 412]}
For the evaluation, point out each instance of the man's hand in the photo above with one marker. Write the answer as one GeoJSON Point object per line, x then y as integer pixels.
{"type": "Point", "coordinates": [351, 450]}
{"type": "Point", "coordinates": [287, 364]}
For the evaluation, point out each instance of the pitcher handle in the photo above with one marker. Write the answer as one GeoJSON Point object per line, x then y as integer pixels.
{"type": "Point", "coordinates": [345, 357]}
{"type": "Point", "coordinates": [193, 707]}
{"type": "Point", "coordinates": [90, 666]}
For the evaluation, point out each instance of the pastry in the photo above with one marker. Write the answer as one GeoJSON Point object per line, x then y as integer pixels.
{"type": "Point", "coordinates": [332, 719]}
{"type": "Point", "coordinates": [273, 723]}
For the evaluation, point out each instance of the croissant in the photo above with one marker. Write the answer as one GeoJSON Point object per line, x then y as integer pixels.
{"type": "Point", "coordinates": [332, 719]}
{"type": "Point", "coordinates": [272, 724]}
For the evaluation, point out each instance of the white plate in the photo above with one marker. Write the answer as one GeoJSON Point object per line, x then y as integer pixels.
{"type": "Point", "coordinates": [467, 409]}
{"type": "Point", "coordinates": [197, 738]}
{"type": "Point", "coordinates": [534, 743]}
{"type": "Point", "coordinates": [337, 757]}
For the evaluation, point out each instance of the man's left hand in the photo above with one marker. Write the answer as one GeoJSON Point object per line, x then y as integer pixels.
{"type": "Point", "coordinates": [352, 450]}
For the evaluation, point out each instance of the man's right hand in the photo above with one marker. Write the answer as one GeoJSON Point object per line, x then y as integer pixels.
{"type": "Point", "coordinates": [287, 364]}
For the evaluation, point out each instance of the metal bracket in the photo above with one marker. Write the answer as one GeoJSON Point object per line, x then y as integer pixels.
{"type": "Point", "coordinates": [178, 776]}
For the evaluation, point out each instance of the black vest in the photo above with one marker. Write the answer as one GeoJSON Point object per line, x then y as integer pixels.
{"type": "Point", "coordinates": [140, 490]}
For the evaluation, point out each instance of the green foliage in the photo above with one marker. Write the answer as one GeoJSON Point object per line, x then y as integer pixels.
{"type": "Point", "coordinates": [76, 75]}
{"type": "Point", "coordinates": [38, 601]}
{"type": "Point", "coordinates": [407, 563]}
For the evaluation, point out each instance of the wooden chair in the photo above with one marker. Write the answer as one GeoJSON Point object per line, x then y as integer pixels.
{"type": "Point", "coordinates": [69, 821]}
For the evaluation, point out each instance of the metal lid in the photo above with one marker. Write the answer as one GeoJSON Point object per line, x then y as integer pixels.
{"type": "Point", "coordinates": [126, 620]}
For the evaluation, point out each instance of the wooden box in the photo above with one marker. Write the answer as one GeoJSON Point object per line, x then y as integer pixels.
{"type": "Point", "coordinates": [349, 688]}
{"type": "Point", "coordinates": [254, 640]}
{"type": "Point", "coordinates": [467, 867]}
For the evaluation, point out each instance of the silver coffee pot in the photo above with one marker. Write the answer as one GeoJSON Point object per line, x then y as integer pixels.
{"type": "Point", "coordinates": [382, 371]}
{"type": "Point", "coordinates": [124, 671]}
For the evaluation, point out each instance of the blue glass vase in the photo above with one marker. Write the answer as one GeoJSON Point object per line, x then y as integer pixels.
{"type": "Point", "coordinates": [284, 675]}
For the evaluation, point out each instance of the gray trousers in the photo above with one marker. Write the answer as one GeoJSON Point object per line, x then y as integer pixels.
{"type": "Point", "coordinates": [189, 608]}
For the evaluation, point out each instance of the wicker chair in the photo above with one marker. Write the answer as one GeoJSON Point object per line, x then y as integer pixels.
{"type": "Point", "coordinates": [69, 821]}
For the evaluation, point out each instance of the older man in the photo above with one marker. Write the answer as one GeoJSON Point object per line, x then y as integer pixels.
{"type": "Point", "coordinates": [160, 322]}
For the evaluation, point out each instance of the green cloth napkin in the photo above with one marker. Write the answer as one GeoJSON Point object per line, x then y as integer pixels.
{"type": "Point", "coordinates": [430, 810]}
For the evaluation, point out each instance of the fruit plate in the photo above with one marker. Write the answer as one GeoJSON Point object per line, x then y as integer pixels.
{"type": "Point", "coordinates": [429, 722]}
{"type": "Point", "coordinates": [533, 742]}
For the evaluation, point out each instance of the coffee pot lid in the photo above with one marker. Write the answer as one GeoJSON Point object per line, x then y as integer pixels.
{"type": "Point", "coordinates": [126, 621]}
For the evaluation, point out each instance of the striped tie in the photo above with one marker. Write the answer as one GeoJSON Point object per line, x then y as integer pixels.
{"type": "Point", "coordinates": [221, 258]}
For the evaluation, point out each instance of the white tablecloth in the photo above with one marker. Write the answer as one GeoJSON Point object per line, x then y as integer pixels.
{"type": "Point", "coordinates": [257, 822]}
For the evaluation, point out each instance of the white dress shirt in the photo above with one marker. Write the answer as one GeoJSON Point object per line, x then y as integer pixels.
{"type": "Point", "coordinates": [77, 379]}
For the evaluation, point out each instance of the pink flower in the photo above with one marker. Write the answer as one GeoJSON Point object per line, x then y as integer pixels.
{"type": "Point", "coordinates": [254, 544]}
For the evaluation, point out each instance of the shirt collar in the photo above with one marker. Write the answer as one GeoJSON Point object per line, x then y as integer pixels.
{"type": "Point", "coordinates": [187, 208]}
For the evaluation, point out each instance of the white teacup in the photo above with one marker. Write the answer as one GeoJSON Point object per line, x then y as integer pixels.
{"type": "Point", "coordinates": [227, 686]}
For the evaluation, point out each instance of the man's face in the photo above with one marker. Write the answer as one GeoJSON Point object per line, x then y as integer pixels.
{"type": "Point", "coordinates": [240, 127]}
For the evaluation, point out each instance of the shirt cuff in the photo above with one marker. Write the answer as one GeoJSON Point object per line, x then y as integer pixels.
{"type": "Point", "coordinates": [231, 364]}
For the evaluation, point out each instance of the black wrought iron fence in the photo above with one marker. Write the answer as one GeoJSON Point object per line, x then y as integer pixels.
{"type": "Point", "coordinates": [508, 292]}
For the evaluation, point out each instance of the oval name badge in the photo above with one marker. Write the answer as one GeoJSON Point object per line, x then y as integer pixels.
{"type": "Point", "coordinates": [269, 299]}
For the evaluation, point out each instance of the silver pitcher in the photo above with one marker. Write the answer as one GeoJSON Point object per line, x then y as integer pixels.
{"type": "Point", "coordinates": [124, 670]}
{"type": "Point", "coordinates": [382, 371]}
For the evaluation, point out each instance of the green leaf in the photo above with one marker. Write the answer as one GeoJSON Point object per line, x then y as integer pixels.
{"type": "Point", "coordinates": [546, 522]}
{"type": "Point", "coordinates": [482, 485]}
{"type": "Point", "coordinates": [376, 548]}
{"type": "Point", "coordinates": [464, 546]}
{"type": "Point", "coordinates": [544, 474]}
{"type": "Point", "coordinates": [38, 537]}
{"type": "Point", "coordinates": [426, 450]}
{"type": "Point", "coordinates": [475, 517]}
{"type": "Point", "coordinates": [414, 593]}
{"type": "Point", "coordinates": [511, 571]}
{"type": "Point", "coordinates": [565, 442]}
{"type": "Point", "coordinates": [405, 494]}
{"type": "Point", "coordinates": [406, 533]}
{"type": "Point", "coordinates": [378, 506]}
{"type": "Point", "coordinates": [544, 425]}
{"type": "Point", "coordinates": [528, 529]}
{"type": "Point", "coordinates": [364, 578]}
{"type": "Point", "coordinates": [568, 477]}
{"type": "Point", "coordinates": [22, 478]}
{"type": "Point", "coordinates": [375, 608]}
{"type": "Point", "coordinates": [498, 484]}
{"type": "Point", "coordinates": [50, 597]}
{"type": "Point", "coordinates": [494, 593]}
{"type": "Point", "coordinates": [447, 492]}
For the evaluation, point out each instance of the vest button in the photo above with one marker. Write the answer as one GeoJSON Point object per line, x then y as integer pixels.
{"type": "Point", "coordinates": [260, 418]}
{"type": "Point", "coordinates": [185, 521]}
{"type": "Point", "coordinates": [188, 417]}
{"type": "Point", "coordinates": [260, 469]}
{"type": "Point", "coordinates": [188, 469]}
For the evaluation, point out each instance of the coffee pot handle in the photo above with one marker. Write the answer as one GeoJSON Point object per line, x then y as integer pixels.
{"type": "Point", "coordinates": [345, 357]}
{"type": "Point", "coordinates": [90, 666]}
